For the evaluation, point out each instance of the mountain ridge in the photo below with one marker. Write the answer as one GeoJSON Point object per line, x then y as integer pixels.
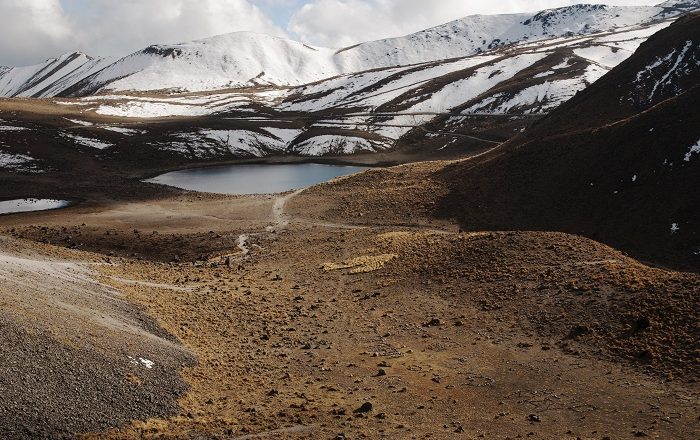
{"type": "Point", "coordinates": [243, 59]}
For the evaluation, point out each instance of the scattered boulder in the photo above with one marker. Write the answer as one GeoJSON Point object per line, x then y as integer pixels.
{"type": "Point", "coordinates": [434, 322]}
{"type": "Point", "coordinates": [365, 408]}
{"type": "Point", "coordinates": [534, 418]}
{"type": "Point", "coordinates": [641, 323]}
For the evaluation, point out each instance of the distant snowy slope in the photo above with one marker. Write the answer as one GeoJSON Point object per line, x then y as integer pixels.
{"type": "Point", "coordinates": [50, 77]}
{"type": "Point", "coordinates": [245, 59]}
{"type": "Point", "coordinates": [224, 61]}
{"type": "Point", "coordinates": [682, 5]}
{"type": "Point", "coordinates": [478, 33]}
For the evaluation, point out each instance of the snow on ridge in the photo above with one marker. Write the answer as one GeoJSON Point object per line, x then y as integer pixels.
{"type": "Point", "coordinates": [50, 77]}
{"type": "Point", "coordinates": [534, 99]}
{"type": "Point", "coordinates": [207, 143]}
{"type": "Point", "coordinates": [681, 4]}
{"type": "Point", "coordinates": [285, 135]}
{"type": "Point", "coordinates": [338, 144]}
{"type": "Point", "coordinates": [244, 59]}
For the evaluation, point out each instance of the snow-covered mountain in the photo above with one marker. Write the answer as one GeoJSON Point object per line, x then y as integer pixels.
{"type": "Point", "coordinates": [374, 110]}
{"type": "Point", "coordinates": [50, 77]}
{"type": "Point", "coordinates": [455, 88]}
{"type": "Point", "coordinates": [245, 59]}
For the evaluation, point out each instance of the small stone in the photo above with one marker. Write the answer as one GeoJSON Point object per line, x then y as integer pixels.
{"type": "Point", "coordinates": [579, 330]}
{"type": "Point", "coordinates": [435, 322]}
{"type": "Point", "coordinates": [365, 408]}
{"type": "Point", "coordinates": [641, 323]}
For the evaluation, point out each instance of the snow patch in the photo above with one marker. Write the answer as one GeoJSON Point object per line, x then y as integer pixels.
{"type": "Point", "coordinates": [134, 109]}
{"type": "Point", "coordinates": [88, 142]}
{"type": "Point", "coordinates": [146, 363]}
{"type": "Point", "coordinates": [124, 131]}
{"type": "Point", "coordinates": [12, 128]}
{"type": "Point", "coordinates": [17, 162]}
{"type": "Point", "coordinates": [603, 55]}
{"type": "Point", "coordinates": [219, 143]}
{"type": "Point", "coordinates": [79, 122]}
{"type": "Point", "coordinates": [695, 149]}
{"type": "Point", "coordinates": [286, 135]}
{"type": "Point", "coordinates": [676, 60]}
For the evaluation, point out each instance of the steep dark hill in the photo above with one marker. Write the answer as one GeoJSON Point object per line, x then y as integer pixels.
{"type": "Point", "coordinates": [619, 163]}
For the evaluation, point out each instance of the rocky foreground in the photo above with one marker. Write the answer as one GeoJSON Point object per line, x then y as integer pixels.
{"type": "Point", "coordinates": [314, 318]}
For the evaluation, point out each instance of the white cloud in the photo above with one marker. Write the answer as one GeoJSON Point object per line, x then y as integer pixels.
{"type": "Point", "coordinates": [33, 30]}
{"type": "Point", "coordinates": [338, 23]}
{"type": "Point", "coordinates": [36, 27]}
{"type": "Point", "coordinates": [133, 24]}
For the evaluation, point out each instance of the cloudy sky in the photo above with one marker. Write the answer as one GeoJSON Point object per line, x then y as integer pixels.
{"type": "Point", "coordinates": [34, 30]}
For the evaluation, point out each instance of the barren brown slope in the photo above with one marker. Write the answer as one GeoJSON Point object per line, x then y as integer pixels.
{"type": "Point", "coordinates": [74, 354]}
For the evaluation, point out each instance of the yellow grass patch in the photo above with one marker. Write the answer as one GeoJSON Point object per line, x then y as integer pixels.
{"type": "Point", "coordinates": [364, 264]}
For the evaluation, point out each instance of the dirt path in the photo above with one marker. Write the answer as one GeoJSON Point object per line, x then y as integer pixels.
{"type": "Point", "coordinates": [280, 219]}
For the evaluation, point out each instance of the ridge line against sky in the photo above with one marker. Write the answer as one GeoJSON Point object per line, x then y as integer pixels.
{"type": "Point", "coordinates": [35, 30]}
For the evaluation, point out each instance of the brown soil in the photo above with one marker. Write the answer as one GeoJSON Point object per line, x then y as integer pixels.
{"type": "Point", "coordinates": [447, 335]}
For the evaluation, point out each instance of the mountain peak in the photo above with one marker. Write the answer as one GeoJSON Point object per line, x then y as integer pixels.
{"type": "Point", "coordinates": [547, 15]}
{"type": "Point", "coordinates": [686, 5]}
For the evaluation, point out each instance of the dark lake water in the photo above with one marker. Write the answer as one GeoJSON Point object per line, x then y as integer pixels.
{"type": "Point", "coordinates": [253, 179]}
{"type": "Point", "coordinates": [29, 205]}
